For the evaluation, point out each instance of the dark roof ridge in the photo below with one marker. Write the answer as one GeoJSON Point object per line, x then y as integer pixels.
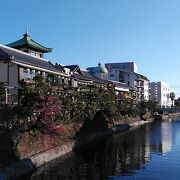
{"type": "Point", "coordinates": [25, 59]}
{"type": "Point", "coordinates": [16, 50]}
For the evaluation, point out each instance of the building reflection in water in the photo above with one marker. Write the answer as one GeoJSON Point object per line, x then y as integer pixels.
{"type": "Point", "coordinates": [117, 156]}
{"type": "Point", "coordinates": [161, 137]}
{"type": "Point", "coordinates": [166, 134]}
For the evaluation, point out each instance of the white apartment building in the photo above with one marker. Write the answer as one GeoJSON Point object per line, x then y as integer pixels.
{"type": "Point", "coordinates": [127, 72]}
{"type": "Point", "coordinates": [142, 85]}
{"type": "Point", "coordinates": [160, 92]}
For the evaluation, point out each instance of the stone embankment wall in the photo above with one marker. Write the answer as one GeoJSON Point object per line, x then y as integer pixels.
{"type": "Point", "coordinates": [30, 163]}
{"type": "Point", "coordinates": [174, 115]}
{"type": "Point", "coordinates": [162, 117]}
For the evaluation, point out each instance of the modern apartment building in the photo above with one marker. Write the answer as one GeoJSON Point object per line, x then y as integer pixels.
{"type": "Point", "coordinates": [127, 72]}
{"type": "Point", "coordinates": [160, 92]}
{"type": "Point", "coordinates": [142, 84]}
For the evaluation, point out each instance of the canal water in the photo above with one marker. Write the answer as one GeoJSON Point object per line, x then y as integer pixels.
{"type": "Point", "coordinates": [149, 152]}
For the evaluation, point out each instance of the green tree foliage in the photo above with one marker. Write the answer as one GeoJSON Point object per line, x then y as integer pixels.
{"type": "Point", "coordinates": [126, 106]}
{"type": "Point", "coordinates": [108, 102]}
{"type": "Point", "coordinates": [82, 103]}
{"type": "Point", "coordinates": [49, 101]}
{"type": "Point", "coordinates": [172, 97]}
{"type": "Point", "coordinates": [7, 113]}
{"type": "Point", "coordinates": [147, 106]}
{"type": "Point", "coordinates": [7, 117]}
{"type": "Point", "coordinates": [78, 103]}
{"type": "Point", "coordinates": [39, 104]}
{"type": "Point", "coordinates": [177, 102]}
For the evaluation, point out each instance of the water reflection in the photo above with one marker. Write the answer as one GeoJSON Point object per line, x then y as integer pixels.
{"type": "Point", "coordinates": [161, 137]}
{"type": "Point", "coordinates": [120, 156]}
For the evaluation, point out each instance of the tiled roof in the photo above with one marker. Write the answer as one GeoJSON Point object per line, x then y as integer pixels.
{"type": "Point", "coordinates": [58, 66]}
{"type": "Point", "coordinates": [27, 59]}
{"type": "Point", "coordinates": [80, 77]}
{"type": "Point", "coordinates": [90, 69]}
{"type": "Point", "coordinates": [72, 68]}
{"type": "Point", "coordinates": [3, 54]}
{"type": "Point", "coordinates": [80, 74]}
{"type": "Point", "coordinates": [28, 41]}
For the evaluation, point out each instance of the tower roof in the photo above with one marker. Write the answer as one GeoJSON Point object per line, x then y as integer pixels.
{"type": "Point", "coordinates": [97, 69]}
{"type": "Point", "coordinates": [27, 41]}
{"type": "Point", "coordinates": [100, 69]}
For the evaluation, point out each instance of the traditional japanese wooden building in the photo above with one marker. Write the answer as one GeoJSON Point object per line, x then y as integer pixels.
{"type": "Point", "coordinates": [22, 60]}
{"type": "Point", "coordinates": [81, 77]}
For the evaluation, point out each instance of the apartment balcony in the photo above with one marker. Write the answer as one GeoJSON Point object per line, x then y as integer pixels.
{"type": "Point", "coordinates": [138, 85]}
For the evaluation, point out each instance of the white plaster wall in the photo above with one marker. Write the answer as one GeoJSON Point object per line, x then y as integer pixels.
{"type": "Point", "coordinates": [74, 83]}
{"type": "Point", "coordinates": [21, 73]}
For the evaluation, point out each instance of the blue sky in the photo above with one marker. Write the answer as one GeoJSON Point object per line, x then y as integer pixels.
{"type": "Point", "coordinates": [87, 32]}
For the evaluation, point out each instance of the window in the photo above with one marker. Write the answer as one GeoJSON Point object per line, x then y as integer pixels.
{"type": "Point", "coordinates": [33, 53]}
{"type": "Point", "coordinates": [111, 75]}
{"type": "Point", "coordinates": [33, 74]}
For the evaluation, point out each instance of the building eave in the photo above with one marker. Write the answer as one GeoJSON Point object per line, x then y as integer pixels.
{"type": "Point", "coordinates": [38, 68]}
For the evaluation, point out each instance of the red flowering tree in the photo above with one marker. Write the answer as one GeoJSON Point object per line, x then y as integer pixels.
{"type": "Point", "coordinates": [49, 109]}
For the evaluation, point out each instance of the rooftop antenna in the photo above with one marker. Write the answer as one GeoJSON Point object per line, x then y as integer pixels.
{"type": "Point", "coordinates": [26, 33]}
{"type": "Point", "coordinates": [27, 29]}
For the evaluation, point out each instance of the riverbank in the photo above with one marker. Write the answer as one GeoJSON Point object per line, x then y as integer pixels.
{"type": "Point", "coordinates": [30, 163]}
{"type": "Point", "coordinates": [143, 153]}
{"type": "Point", "coordinates": [174, 115]}
{"type": "Point", "coordinates": [164, 117]}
